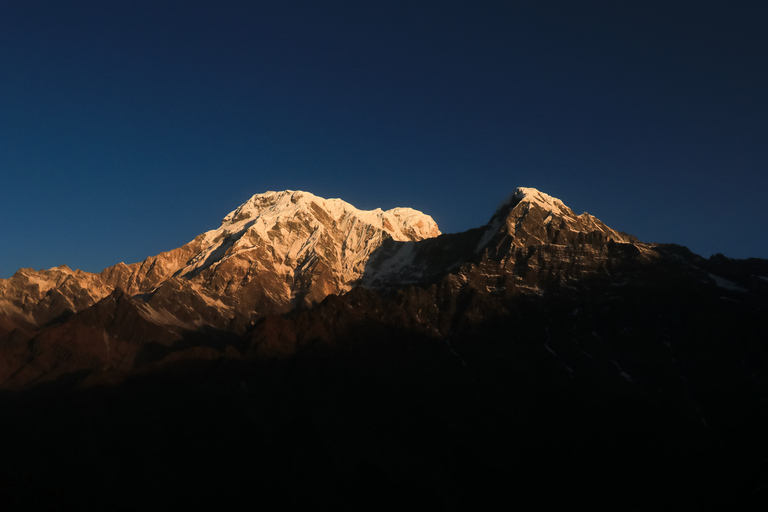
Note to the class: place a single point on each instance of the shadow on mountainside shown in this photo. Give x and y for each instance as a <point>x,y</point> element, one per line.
<point>216,254</point>
<point>210,343</point>
<point>395,264</point>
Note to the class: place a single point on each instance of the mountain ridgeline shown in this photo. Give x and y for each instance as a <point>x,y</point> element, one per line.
<point>320,355</point>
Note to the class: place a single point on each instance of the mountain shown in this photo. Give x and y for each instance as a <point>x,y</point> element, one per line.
<point>274,252</point>
<point>319,355</point>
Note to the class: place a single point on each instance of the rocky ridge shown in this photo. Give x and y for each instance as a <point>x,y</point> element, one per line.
<point>280,251</point>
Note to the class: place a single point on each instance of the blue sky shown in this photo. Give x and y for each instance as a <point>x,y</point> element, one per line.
<point>129,127</point>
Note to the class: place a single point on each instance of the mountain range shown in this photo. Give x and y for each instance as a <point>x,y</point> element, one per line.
<point>315,354</point>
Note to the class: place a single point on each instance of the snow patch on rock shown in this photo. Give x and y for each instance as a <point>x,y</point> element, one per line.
<point>726,284</point>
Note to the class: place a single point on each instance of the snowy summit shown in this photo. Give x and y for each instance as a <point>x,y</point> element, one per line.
<point>532,195</point>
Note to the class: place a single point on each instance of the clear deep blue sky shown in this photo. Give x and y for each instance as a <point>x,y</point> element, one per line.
<point>129,127</point>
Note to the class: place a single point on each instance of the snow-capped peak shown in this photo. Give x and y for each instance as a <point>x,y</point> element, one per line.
<point>517,206</point>
<point>532,195</point>
<point>291,229</point>
<point>272,207</point>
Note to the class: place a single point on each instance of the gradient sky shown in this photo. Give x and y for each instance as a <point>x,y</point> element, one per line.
<point>129,127</point>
